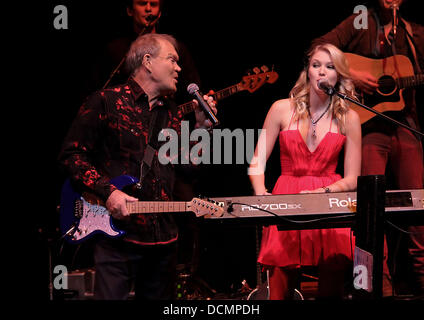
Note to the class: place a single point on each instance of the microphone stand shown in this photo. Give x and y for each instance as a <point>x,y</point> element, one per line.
<point>118,67</point>
<point>114,71</point>
<point>331,91</point>
<point>395,12</point>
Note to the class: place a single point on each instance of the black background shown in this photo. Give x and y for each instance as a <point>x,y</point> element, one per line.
<point>226,38</point>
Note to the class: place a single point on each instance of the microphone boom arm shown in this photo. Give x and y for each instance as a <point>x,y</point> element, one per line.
<point>346,97</point>
<point>118,67</point>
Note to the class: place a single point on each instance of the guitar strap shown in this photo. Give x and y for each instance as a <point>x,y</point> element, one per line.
<point>377,51</point>
<point>157,122</point>
<point>409,33</point>
<point>408,30</point>
<point>379,34</point>
<point>411,44</point>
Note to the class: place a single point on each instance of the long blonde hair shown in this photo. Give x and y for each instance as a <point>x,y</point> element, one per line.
<point>300,92</point>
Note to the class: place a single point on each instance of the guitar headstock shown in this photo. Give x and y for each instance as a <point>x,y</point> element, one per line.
<point>253,82</point>
<point>205,208</point>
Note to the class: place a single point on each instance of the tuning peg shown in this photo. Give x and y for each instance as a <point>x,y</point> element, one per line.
<point>256,70</point>
<point>264,68</point>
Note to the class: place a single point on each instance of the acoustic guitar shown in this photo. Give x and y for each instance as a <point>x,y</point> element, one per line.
<point>394,75</point>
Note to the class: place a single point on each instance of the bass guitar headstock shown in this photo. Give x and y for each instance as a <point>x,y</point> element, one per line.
<point>253,82</point>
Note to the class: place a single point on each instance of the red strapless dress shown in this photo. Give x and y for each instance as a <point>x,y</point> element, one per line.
<point>302,169</point>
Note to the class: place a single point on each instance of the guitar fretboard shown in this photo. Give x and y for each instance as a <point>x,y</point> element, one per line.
<point>157,206</point>
<point>411,81</point>
<point>224,93</point>
<point>221,94</point>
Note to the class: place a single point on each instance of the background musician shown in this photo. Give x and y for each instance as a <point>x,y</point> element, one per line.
<point>388,148</point>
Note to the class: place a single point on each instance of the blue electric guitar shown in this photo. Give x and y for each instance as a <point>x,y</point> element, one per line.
<point>83,215</point>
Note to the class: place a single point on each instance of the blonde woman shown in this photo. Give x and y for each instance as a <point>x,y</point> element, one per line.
<point>312,129</point>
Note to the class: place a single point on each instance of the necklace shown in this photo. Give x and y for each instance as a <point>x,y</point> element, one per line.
<point>314,122</point>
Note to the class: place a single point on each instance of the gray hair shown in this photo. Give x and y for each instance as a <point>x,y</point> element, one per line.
<point>146,44</point>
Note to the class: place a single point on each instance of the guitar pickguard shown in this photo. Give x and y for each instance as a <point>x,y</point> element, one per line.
<point>94,218</point>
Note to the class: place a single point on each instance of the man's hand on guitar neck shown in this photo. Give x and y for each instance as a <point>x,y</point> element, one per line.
<point>364,81</point>
<point>116,204</point>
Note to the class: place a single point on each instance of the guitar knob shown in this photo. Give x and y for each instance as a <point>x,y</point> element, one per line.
<point>256,70</point>
<point>265,69</point>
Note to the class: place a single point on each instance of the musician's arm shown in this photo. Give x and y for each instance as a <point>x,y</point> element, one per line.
<point>79,146</point>
<point>352,156</point>
<point>340,36</point>
<point>77,152</point>
<point>269,134</point>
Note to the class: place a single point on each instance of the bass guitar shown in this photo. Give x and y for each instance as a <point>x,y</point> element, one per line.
<point>83,215</point>
<point>250,83</point>
<point>394,75</point>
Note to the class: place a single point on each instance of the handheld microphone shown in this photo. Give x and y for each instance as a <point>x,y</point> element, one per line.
<point>326,87</point>
<point>193,89</point>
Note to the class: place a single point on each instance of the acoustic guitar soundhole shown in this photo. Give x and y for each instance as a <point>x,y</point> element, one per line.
<point>386,85</point>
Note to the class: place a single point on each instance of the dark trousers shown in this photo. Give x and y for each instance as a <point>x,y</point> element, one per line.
<point>404,152</point>
<point>120,265</point>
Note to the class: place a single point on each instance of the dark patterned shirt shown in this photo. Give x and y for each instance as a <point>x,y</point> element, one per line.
<point>108,139</point>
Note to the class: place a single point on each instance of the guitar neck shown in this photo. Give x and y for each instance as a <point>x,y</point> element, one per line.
<point>157,206</point>
<point>411,81</point>
<point>219,95</point>
<point>224,93</point>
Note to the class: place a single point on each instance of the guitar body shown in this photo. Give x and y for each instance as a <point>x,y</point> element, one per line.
<point>92,217</point>
<point>388,71</point>
<point>84,215</point>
